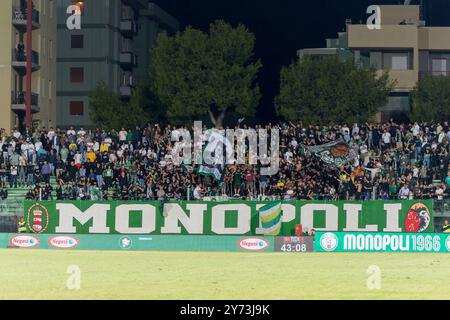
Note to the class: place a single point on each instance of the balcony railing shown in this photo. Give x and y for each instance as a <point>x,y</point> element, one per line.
<point>128,60</point>
<point>423,74</point>
<point>126,45</point>
<point>21,56</point>
<point>128,28</point>
<point>20,97</point>
<point>19,18</point>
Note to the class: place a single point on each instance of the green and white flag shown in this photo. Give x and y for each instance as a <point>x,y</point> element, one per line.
<point>216,152</point>
<point>337,153</point>
<point>271,216</point>
<point>215,171</point>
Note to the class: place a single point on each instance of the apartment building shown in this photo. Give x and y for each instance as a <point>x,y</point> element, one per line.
<point>114,45</point>
<point>13,65</point>
<point>405,47</point>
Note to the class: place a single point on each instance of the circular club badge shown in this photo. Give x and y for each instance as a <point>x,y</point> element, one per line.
<point>418,218</point>
<point>125,243</point>
<point>328,241</point>
<point>447,243</point>
<point>38,218</point>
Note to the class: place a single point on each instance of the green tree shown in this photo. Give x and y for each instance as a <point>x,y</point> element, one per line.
<point>327,90</point>
<point>214,74</point>
<point>431,99</point>
<point>107,110</point>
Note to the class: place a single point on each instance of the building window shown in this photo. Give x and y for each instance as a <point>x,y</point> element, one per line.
<point>76,108</point>
<point>51,9</point>
<point>399,63</point>
<point>439,67</point>
<point>77,41</point>
<point>50,49</point>
<point>43,87</point>
<point>76,74</point>
<point>50,89</point>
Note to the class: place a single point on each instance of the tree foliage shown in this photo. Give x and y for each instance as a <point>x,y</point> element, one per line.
<point>431,99</point>
<point>327,90</point>
<point>198,74</point>
<point>107,110</point>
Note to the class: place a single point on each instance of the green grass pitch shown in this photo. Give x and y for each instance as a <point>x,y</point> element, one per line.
<point>35,274</point>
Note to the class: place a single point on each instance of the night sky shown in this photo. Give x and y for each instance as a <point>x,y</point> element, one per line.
<point>282,27</point>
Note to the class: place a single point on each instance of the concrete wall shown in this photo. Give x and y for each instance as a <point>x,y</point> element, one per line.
<point>44,80</point>
<point>6,71</point>
<point>99,57</point>
<point>394,14</point>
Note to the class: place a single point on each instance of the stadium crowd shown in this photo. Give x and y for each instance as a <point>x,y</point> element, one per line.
<point>395,161</point>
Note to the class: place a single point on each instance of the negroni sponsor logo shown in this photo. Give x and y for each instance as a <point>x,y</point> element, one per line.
<point>24,241</point>
<point>253,244</point>
<point>63,242</point>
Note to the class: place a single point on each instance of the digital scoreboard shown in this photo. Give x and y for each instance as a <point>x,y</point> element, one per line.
<point>294,244</point>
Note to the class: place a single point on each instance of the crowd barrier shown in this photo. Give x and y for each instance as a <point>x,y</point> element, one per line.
<point>224,218</point>
<point>325,242</point>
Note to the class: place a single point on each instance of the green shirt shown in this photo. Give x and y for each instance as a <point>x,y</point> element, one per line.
<point>447,181</point>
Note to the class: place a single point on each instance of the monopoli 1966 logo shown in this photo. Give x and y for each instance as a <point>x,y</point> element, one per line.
<point>37,218</point>
<point>447,243</point>
<point>328,241</point>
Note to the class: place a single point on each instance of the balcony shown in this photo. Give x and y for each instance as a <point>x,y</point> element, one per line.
<point>424,74</point>
<point>19,61</point>
<point>390,36</point>
<point>127,86</point>
<point>128,60</point>
<point>19,19</point>
<point>128,28</point>
<point>125,91</point>
<point>18,101</point>
<point>405,80</point>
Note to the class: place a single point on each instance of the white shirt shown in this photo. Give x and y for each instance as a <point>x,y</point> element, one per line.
<point>38,145</point>
<point>404,193</point>
<point>416,130</point>
<point>122,135</point>
<point>288,156</point>
<point>197,193</point>
<point>78,158</point>
<point>51,134</point>
<point>439,193</point>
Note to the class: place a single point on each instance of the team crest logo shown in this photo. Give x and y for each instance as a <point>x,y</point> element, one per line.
<point>37,218</point>
<point>418,218</point>
<point>447,243</point>
<point>125,243</point>
<point>328,241</point>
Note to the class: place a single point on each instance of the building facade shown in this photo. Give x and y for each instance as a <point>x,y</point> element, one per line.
<point>13,32</point>
<point>404,47</point>
<point>114,45</point>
